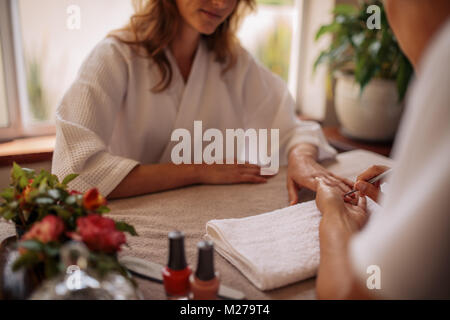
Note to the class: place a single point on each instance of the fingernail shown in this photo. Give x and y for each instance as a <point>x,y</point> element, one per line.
<point>361,186</point>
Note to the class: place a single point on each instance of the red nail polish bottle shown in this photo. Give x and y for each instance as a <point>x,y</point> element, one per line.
<point>176,273</point>
<point>205,282</point>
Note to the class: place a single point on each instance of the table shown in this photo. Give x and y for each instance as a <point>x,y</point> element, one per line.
<point>343,143</point>
<point>188,209</point>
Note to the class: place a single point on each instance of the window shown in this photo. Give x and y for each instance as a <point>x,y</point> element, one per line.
<point>57,35</point>
<point>47,40</point>
<point>268,35</point>
<point>4,118</point>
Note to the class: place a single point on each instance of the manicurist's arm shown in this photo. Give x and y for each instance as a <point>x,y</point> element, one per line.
<point>340,222</point>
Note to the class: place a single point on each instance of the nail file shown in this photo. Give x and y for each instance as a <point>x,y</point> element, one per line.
<point>152,271</point>
<point>373,180</point>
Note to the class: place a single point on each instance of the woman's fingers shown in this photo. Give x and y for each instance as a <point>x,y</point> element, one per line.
<point>367,189</point>
<point>346,181</point>
<point>249,166</point>
<point>362,202</point>
<point>337,183</point>
<point>292,191</point>
<point>252,178</point>
<point>373,171</point>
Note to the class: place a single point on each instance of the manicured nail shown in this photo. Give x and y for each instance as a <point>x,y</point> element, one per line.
<point>361,186</point>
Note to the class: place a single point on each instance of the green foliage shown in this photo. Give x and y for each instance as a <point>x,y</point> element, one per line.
<point>365,53</point>
<point>274,53</point>
<point>125,227</point>
<point>36,92</point>
<point>31,197</point>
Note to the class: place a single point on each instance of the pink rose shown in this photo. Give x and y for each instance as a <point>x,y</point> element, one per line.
<point>47,230</point>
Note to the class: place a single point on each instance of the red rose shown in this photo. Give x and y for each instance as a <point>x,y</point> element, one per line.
<point>47,230</point>
<point>74,192</point>
<point>93,200</point>
<point>99,233</point>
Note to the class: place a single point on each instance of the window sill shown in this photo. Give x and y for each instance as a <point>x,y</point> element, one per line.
<point>29,150</point>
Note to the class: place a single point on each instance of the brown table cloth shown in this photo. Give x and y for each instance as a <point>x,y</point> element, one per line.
<point>188,209</point>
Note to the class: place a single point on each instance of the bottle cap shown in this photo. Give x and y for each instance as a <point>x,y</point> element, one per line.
<point>177,258</point>
<point>205,266</point>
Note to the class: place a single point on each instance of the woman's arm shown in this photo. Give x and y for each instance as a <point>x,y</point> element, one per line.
<point>144,179</point>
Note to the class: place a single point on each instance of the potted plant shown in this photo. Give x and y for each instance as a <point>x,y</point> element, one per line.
<point>372,73</point>
<point>48,216</point>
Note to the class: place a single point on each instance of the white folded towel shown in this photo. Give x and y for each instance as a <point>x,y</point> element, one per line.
<point>272,249</point>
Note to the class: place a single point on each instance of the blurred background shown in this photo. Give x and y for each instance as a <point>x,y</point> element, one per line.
<point>53,53</point>
<point>41,50</point>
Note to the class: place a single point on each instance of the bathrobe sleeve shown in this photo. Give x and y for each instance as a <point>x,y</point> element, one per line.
<point>269,104</point>
<point>85,120</point>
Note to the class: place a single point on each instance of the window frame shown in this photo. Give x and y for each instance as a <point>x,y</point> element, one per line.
<point>19,124</point>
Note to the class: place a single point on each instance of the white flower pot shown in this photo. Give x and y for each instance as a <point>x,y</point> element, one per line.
<point>373,115</point>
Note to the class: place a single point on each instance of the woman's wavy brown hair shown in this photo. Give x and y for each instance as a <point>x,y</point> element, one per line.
<point>155,24</point>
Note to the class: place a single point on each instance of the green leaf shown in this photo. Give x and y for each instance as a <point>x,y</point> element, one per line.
<point>29,173</point>
<point>27,259</point>
<point>17,172</point>
<point>103,209</point>
<point>8,214</point>
<point>329,28</point>
<point>54,193</point>
<point>53,181</point>
<point>8,194</point>
<point>345,9</point>
<point>23,182</point>
<point>69,178</point>
<point>125,227</point>
<point>43,185</point>
<point>51,250</point>
<point>32,245</point>
<point>44,200</point>
<point>70,200</point>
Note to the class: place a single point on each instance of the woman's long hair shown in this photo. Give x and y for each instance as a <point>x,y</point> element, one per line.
<point>155,24</point>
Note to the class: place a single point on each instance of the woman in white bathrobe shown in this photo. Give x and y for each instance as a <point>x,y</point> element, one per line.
<point>176,63</point>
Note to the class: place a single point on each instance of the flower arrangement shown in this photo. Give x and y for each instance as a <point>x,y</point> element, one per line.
<point>47,215</point>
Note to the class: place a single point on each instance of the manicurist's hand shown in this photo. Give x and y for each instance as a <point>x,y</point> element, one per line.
<point>330,202</point>
<point>368,189</point>
<point>230,174</point>
<point>303,170</point>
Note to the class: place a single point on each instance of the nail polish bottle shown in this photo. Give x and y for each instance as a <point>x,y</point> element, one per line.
<point>176,273</point>
<point>205,282</point>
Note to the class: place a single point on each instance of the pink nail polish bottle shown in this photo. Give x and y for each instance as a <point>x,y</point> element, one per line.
<point>205,282</point>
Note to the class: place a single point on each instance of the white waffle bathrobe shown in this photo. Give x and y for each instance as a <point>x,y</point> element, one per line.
<point>110,121</point>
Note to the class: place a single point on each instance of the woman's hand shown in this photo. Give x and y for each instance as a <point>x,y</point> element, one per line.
<point>368,189</point>
<point>330,200</point>
<point>303,170</point>
<point>230,174</point>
